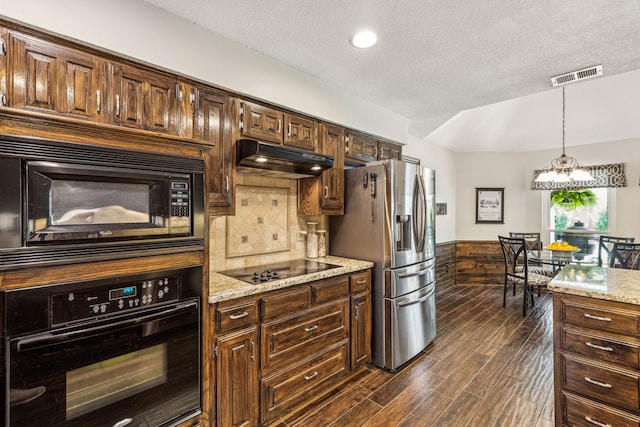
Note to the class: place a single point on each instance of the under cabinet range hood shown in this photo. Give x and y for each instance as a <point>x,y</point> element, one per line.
<point>265,159</point>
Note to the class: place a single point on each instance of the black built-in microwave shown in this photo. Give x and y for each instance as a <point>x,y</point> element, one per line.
<point>68,202</point>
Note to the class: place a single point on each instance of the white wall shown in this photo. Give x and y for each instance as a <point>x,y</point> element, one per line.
<point>142,31</point>
<point>523,206</point>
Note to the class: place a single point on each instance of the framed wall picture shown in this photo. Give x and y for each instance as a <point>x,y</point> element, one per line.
<point>489,205</point>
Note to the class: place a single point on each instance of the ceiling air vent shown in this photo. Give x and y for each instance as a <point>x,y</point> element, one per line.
<point>574,76</point>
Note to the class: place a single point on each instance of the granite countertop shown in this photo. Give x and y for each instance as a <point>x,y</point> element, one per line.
<point>223,288</point>
<point>612,284</point>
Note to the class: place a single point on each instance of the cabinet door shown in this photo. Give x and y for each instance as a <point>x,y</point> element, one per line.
<point>237,375</point>
<point>4,37</point>
<point>360,329</point>
<point>260,122</point>
<point>332,143</point>
<point>300,132</point>
<point>389,151</point>
<point>361,147</point>
<point>144,100</point>
<point>212,126</point>
<point>47,78</point>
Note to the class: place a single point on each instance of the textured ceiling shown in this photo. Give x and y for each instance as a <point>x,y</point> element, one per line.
<point>434,58</point>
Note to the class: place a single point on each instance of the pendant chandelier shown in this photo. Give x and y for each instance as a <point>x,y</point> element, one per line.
<point>564,168</point>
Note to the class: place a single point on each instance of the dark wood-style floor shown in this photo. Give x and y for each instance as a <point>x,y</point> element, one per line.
<point>488,366</point>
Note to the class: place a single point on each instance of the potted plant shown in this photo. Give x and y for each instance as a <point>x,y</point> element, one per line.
<point>572,199</point>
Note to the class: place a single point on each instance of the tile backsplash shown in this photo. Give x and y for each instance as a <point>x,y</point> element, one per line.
<point>266,228</point>
<point>261,222</point>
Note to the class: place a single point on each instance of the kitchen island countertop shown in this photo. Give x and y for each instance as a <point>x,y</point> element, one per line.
<point>223,288</point>
<point>611,284</point>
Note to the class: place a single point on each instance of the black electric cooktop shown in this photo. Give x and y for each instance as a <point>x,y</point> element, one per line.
<point>276,271</point>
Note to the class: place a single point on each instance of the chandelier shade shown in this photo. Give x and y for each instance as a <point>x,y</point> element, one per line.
<point>564,169</point>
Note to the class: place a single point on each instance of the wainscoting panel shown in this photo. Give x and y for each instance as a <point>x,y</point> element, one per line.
<point>479,262</point>
<point>445,266</point>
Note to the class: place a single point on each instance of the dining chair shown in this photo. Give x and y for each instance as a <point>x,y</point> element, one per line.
<point>625,255</point>
<point>534,243</point>
<point>606,243</point>
<point>516,270</point>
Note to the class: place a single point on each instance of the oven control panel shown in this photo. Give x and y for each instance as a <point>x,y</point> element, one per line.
<point>90,303</point>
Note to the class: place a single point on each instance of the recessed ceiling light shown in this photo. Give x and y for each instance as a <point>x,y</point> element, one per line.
<point>364,39</point>
<point>261,159</point>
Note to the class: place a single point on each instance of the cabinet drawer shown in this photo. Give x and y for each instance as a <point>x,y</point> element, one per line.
<point>600,381</point>
<point>291,339</point>
<point>609,317</point>
<point>329,289</point>
<point>602,346</point>
<point>236,316</point>
<point>288,388</point>
<point>579,411</point>
<point>285,302</point>
<point>361,281</point>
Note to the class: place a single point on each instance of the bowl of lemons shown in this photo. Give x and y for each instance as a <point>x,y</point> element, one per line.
<point>562,248</point>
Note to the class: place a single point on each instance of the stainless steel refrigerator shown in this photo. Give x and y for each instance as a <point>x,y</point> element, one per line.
<point>390,219</point>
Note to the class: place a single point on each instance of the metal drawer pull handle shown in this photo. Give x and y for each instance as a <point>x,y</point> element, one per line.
<point>598,383</point>
<point>591,316</point>
<point>308,377</point>
<point>598,347</point>
<point>592,421</point>
<point>311,328</point>
<point>361,282</point>
<point>238,316</point>
<point>417,273</point>
<point>415,301</point>
<point>124,422</point>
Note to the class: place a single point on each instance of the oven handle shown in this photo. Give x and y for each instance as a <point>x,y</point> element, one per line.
<point>48,338</point>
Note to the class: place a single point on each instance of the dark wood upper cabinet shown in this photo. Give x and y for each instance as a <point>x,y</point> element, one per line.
<point>260,122</point>
<point>387,150</point>
<point>361,148</point>
<point>144,100</point>
<point>300,132</point>
<point>332,143</point>
<point>272,125</point>
<point>324,195</point>
<point>212,125</point>
<point>46,78</point>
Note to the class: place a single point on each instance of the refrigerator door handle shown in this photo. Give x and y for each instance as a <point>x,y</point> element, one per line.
<point>417,300</point>
<point>419,213</point>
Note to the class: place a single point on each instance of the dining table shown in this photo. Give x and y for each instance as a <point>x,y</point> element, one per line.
<point>558,259</point>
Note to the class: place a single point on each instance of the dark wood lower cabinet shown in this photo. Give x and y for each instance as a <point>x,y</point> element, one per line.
<point>279,351</point>
<point>237,376</point>
<point>596,362</point>
<point>289,387</point>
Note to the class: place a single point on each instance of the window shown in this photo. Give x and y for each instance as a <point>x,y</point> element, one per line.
<point>571,217</point>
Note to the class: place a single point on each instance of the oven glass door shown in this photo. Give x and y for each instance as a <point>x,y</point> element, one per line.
<point>138,371</point>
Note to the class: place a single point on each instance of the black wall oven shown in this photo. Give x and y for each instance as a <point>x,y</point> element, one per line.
<point>111,352</point>
<point>64,202</point>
